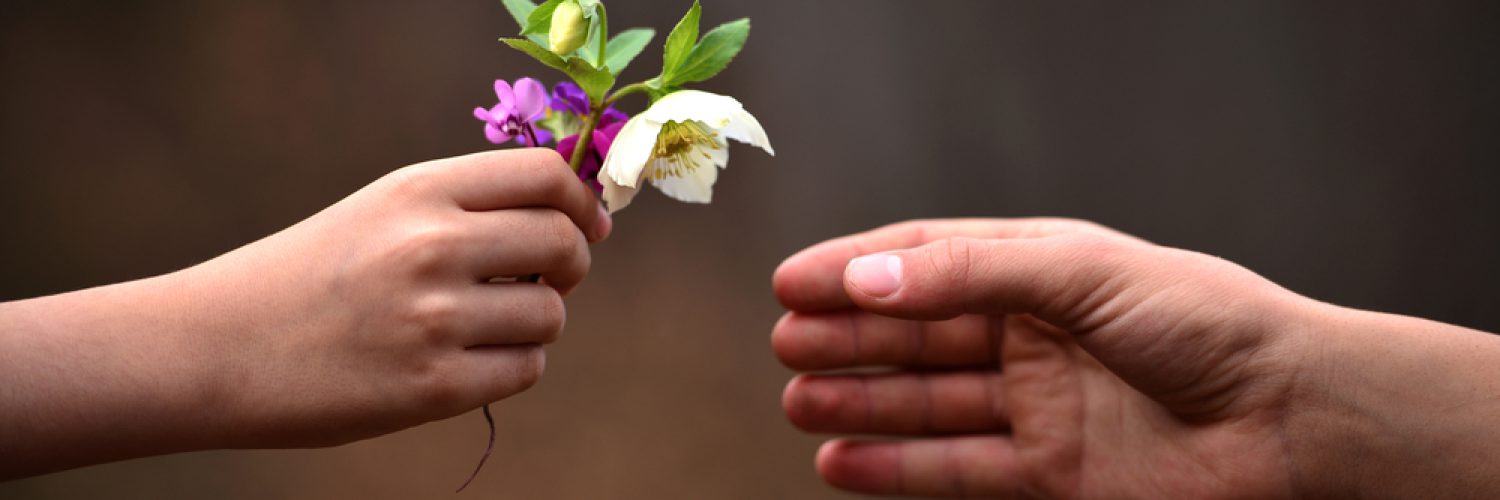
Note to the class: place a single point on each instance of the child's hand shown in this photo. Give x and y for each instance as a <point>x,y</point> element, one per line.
<point>374,315</point>
<point>379,313</point>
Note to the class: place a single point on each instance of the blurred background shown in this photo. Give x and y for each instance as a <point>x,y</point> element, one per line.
<point>1348,152</point>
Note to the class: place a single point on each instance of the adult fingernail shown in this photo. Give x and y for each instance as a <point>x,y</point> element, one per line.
<point>876,275</point>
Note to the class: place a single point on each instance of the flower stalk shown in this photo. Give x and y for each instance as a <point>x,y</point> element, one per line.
<point>586,135</point>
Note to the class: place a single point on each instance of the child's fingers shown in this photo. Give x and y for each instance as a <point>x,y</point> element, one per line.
<point>486,374</point>
<point>500,180</point>
<point>508,314</point>
<point>524,242</point>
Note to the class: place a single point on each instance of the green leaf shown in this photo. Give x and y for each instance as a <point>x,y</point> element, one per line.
<point>540,20</point>
<point>625,46</point>
<point>713,54</point>
<point>521,10</point>
<point>594,81</point>
<point>538,52</point>
<point>680,41</point>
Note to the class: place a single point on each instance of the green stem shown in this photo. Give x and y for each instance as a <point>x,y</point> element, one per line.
<point>585,138</point>
<point>633,88</point>
<point>603,37</point>
<point>586,135</point>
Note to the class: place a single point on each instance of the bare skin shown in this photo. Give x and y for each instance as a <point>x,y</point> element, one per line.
<point>374,315</point>
<point>1048,358</point>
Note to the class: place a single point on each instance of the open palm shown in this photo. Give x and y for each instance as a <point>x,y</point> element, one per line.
<point>1144,382</point>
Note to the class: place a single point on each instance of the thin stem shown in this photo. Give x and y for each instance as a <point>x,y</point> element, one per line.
<point>531,136</point>
<point>488,448</point>
<point>625,91</point>
<point>603,37</point>
<point>585,138</point>
<point>531,141</point>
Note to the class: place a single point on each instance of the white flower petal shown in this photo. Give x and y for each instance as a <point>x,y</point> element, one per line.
<point>714,110</point>
<point>720,155</point>
<point>616,197</point>
<point>694,187</point>
<point>745,128</point>
<point>630,151</point>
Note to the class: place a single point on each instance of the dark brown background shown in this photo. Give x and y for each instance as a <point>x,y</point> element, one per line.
<point>1348,152</point>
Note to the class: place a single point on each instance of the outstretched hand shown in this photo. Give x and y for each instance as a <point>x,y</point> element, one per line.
<point>1039,357</point>
<point>381,312</point>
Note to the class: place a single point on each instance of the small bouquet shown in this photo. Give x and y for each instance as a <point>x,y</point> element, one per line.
<point>679,142</point>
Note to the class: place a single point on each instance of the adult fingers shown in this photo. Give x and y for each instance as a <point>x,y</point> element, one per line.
<point>499,180</point>
<point>812,280</point>
<point>852,338</point>
<point>898,403</point>
<point>980,466</point>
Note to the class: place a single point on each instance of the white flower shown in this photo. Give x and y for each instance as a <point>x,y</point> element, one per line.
<point>679,144</point>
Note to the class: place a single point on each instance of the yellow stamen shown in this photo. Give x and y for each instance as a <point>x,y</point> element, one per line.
<point>676,144</point>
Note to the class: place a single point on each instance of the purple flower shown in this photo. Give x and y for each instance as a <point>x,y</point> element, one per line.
<point>516,113</point>
<point>604,137</point>
<point>612,116</point>
<point>569,98</point>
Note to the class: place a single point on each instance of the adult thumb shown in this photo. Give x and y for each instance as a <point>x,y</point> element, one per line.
<point>1061,280</point>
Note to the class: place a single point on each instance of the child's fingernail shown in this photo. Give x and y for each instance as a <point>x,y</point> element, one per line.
<point>604,225</point>
<point>878,276</point>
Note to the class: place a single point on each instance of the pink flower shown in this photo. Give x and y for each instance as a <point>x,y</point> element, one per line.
<point>516,114</point>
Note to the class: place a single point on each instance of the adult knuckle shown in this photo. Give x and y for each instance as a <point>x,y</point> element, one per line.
<point>953,259</point>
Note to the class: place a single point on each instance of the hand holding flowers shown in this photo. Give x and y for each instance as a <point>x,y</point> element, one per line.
<point>678,143</point>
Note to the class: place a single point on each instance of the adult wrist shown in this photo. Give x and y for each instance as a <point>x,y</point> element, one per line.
<point>1393,406</point>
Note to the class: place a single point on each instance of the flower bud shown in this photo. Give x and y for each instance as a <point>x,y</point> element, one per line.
<point>569,29</point>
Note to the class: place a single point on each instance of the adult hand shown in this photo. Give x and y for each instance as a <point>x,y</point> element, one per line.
<point>1058,358</point>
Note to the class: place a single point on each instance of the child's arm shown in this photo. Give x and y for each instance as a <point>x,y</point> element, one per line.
<point>374,315</point>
